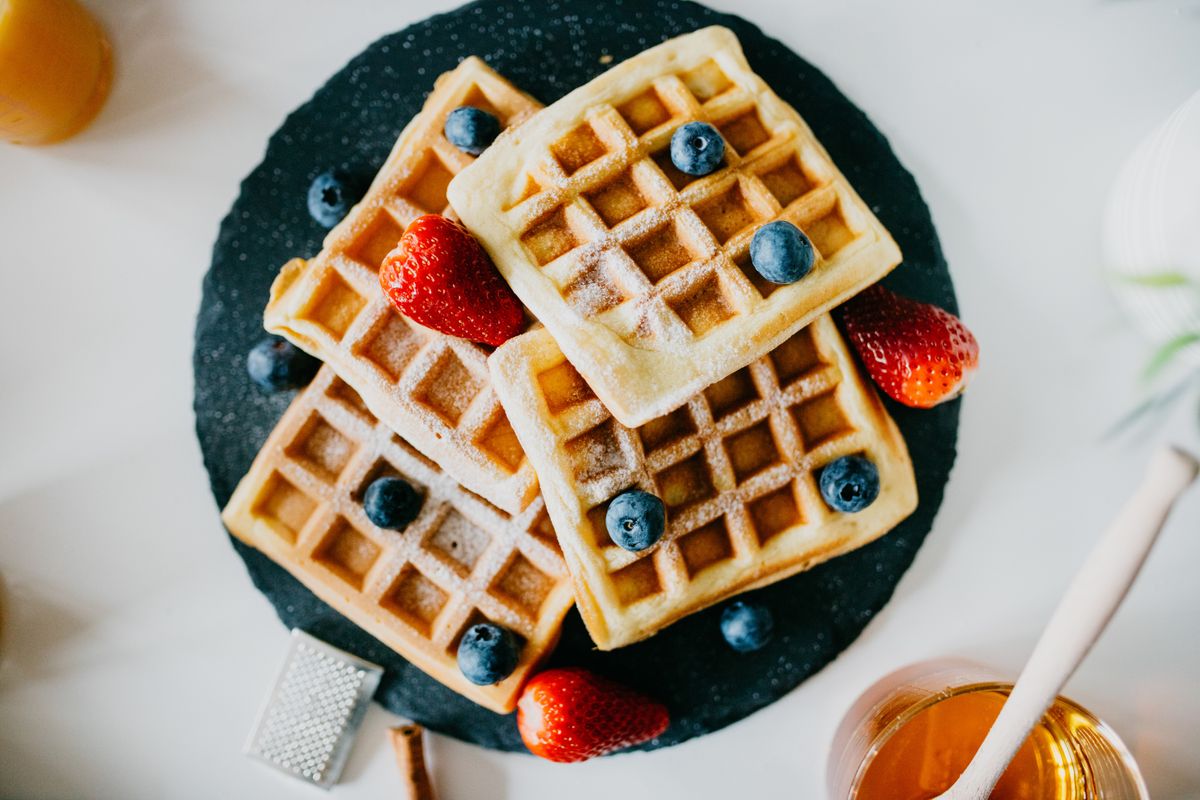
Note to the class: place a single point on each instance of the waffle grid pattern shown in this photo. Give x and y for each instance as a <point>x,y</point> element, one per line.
<point>654,253</point>
<point>621,254</point>
<point>432,388</point>
<point>736,467</point>
<point>462,560</point>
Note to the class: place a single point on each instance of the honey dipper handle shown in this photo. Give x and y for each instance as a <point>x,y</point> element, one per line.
<point>409,744</point>
<point>1083,613</point>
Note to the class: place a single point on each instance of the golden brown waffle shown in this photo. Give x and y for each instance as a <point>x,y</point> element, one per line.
<point>431,388</point>
<point>642,273</point>
<point>736,466</point>
<point>461,561</point>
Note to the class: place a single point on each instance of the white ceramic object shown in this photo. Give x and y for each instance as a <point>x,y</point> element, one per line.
<point>1152,226</point>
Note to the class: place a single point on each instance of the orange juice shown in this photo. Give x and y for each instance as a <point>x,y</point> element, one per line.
<point>55,69</point>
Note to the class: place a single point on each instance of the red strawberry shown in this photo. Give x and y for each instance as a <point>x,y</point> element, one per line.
<point>442,278</point>
<point>919,354</point>
<point>571,715</point>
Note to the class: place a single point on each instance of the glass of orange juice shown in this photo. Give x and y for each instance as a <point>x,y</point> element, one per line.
<point>55,69</point>
<point>913,732</point>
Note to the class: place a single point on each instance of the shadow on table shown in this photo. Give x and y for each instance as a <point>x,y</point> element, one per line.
<point>65,772</point>
<point>86,549</point>
<point>35,626</point>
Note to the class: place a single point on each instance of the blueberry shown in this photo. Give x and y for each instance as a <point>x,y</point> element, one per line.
<point>330,196</point>
<point>697,148</point>
<point>850,484</point>
<point>276,364</point>
<point>781,252</point>
<point>746,625</point>
<point>635,519</point>
<point>391,503</point>
<point>488,653</point>
<point>471,129</point>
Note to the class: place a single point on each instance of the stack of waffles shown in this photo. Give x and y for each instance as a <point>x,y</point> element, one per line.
<point>395,398</point>
<point>665,363</point>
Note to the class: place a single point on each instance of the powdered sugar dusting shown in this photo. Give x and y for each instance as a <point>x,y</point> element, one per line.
<point>308,482</point>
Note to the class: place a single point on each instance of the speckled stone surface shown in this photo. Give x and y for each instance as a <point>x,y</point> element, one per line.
<point>548,49</point>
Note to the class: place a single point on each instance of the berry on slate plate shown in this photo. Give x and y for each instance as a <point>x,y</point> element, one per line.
<point>276,364</point>
<point>697,148</point>
<point>635,519</point>
<point>442,278</point>
<point>570,714</point>
<point>849,484</point>
<point>917,353</point>
<point>746,625</point>
<point>391,503</point>
<point>330,196</point>
<point>488,653</point>
<point>471,129</point>
<point>781,253</point>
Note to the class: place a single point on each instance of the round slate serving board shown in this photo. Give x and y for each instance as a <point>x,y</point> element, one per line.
<point>547,49</point>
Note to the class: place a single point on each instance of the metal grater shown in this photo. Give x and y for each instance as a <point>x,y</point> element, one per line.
<point>310,719</point>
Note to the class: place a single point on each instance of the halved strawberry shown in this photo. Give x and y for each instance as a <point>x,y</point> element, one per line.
<point>917,353</point>
<point>441,277</point>
<point>570,714</point>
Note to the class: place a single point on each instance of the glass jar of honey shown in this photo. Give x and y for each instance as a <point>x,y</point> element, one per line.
<point>913,733</point>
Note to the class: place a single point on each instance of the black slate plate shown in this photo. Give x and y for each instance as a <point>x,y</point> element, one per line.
<point>548,49</point>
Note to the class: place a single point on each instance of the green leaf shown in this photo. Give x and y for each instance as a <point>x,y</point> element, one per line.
<point>1157,280</point>
<point>1152,409</point>
<point>1163,356</point>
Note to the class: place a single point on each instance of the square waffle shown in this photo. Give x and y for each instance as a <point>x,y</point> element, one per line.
<point>736,467</point>
<point>461,561</point>
<point>431,388</point>
<point>642,273</point>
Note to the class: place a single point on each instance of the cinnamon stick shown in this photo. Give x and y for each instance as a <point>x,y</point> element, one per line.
<point>409,744</point>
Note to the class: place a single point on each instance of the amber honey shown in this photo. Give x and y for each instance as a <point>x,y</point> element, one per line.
<point>912,734</point>
<point>55,69</point>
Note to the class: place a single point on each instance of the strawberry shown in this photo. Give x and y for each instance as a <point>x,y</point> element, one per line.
<point>441,277</point>
<point>570,714</point>
<point>917,353</point>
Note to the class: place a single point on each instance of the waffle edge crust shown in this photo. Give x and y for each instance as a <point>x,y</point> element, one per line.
<point>461,561</point>
<point>431,388</point>
<point>737,467</point>
<point>642,273</point>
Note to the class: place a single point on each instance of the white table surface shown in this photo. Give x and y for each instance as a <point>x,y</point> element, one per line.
<point>137,652</point>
